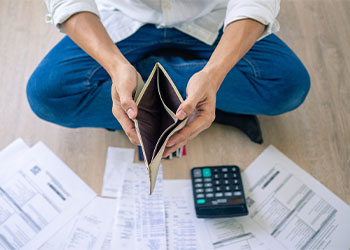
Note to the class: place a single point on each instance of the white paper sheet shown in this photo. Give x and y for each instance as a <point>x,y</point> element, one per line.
<point>140,218</point>
<point>87,230</point>
<point>12,152</point>
<point>186,231</point>
<point>38,195</point>
<point>116,165</point>
<point>293,207</point>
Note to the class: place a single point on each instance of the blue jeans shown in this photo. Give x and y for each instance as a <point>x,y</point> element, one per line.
<point>71,89</point>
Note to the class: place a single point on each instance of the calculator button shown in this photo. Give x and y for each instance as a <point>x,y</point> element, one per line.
<point>207,179</point>
<point>208,185</point>
<point>216,176</point>
<point>237,193</point>
<point>206,172</point>
<point>198,185</point>
<point>224,170</point>
<point>234,169</point>
<point>199,190</point>
<point>216,170</point>
<point>200,201</point>
<point>208,190</point>
<point>235,181</point>
<point>228,194</point>
<point>234,175</point>
<point>217,182</point>
<point>197,173</point>
<point>218,189</point>
<point>225,175</point>
<point>226,182</point>
<point>209,195</point>
<point>236,187</point>
<point>198,180</point>
<point>227,188</point>
<point>221,200</point>
<point>218,194</point>
<point>200,196</point>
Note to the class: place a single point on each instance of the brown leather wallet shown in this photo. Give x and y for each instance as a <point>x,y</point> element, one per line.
<point>157,102</point>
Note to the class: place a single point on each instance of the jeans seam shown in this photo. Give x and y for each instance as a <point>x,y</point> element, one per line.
<point>255,69</point>
<point>91,73</point>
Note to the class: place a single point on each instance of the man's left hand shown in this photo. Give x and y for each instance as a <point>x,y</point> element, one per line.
<point>199,106</point>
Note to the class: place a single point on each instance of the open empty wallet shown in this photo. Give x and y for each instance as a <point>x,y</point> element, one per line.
<point>157,101</point>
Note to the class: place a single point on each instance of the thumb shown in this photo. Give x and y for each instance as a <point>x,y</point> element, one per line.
<point>186,108</point>
<point>127,103</point>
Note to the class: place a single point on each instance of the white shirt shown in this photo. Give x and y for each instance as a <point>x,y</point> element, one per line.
<point>201,19</point>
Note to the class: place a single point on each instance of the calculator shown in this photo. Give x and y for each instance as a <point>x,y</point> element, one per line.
<point>218,192</point>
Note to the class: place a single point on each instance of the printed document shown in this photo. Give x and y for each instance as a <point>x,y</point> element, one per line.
<point>186,231</point>
<point>116,165</point>
<point>139,221</point>
<point>293,207</point>
<point>38,195</point>
<point>87,230</point>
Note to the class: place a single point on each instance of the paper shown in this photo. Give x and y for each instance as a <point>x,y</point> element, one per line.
<point>294,208</point>
<point>13,150</point>
<point>116,165</point>
<point>87,230</point>
<point>139,221</point>
<point>38,195</point>
<point>186,231</point>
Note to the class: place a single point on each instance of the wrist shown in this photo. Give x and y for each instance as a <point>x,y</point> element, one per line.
<point>116,64</point>
<point>216,74</point>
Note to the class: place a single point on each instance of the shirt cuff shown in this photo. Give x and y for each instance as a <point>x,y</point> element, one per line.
<point>60,11</point>
<point>263,11</point>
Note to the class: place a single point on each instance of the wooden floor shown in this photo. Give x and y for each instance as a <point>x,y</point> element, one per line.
<point>316,136</point>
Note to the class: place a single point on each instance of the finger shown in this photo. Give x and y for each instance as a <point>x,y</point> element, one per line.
<point>172,149</point>
<point>199,124</point>
<point>187,107</point>
<point>127,102</point>
<point>127,125</point>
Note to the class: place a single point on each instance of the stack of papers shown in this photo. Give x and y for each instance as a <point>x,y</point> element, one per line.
<point>288,209</point>
<point>46,206</point>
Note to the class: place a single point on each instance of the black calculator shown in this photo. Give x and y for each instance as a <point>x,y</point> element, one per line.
<point>218,192</point>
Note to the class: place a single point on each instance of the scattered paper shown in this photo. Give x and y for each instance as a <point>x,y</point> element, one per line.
<point>38,195</point>
<point>139,221</point>
<point>294,208</point>
<point>116,165</point>
<point>186,231</point>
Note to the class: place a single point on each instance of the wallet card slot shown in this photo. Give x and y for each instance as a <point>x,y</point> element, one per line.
<point>167,93</point>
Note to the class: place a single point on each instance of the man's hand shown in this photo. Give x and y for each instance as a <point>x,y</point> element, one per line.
<point>124,108</point>
<point>199,106</point>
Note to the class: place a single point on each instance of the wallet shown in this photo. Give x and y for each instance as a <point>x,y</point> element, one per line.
<point>157,101</point>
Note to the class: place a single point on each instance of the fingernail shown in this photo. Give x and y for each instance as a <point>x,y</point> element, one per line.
<point>130,113</point>
<point>181,115</point>
<point>170,144</point>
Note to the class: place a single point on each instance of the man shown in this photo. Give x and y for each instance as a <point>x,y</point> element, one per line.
<point>230,63</point>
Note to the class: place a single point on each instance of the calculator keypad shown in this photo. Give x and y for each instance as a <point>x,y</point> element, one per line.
<point>217,185</point>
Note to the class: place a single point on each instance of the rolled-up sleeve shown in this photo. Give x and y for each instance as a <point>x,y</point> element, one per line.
<point>61,10</point>
<point>263,11</point>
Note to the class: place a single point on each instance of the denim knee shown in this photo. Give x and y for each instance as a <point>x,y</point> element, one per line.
<point>43,90</point>
<point>290,88</point>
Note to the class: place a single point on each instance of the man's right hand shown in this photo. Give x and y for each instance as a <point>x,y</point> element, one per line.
<point>124,85</point>
<point>86,30</point>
